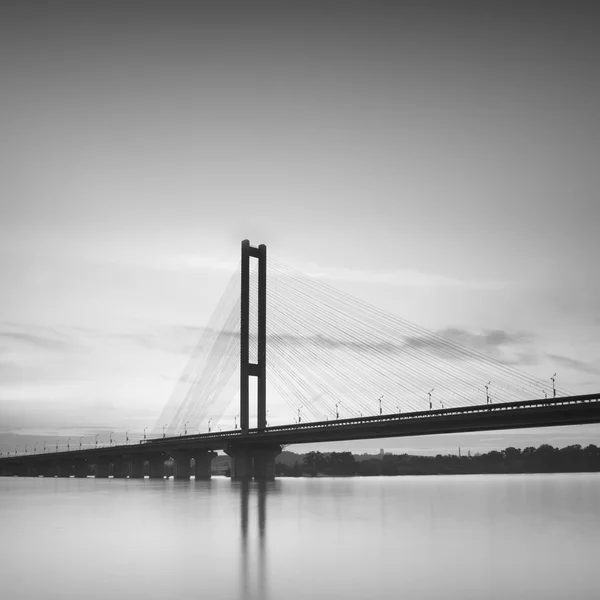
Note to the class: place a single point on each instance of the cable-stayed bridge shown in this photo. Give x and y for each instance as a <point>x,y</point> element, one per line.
<point>346,369</point>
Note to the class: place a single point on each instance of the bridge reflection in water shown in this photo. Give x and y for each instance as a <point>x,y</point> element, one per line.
<point>253,573</point>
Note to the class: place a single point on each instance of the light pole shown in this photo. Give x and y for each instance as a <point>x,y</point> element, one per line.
<point>553,386</point>
<point>299,416</point>
<point>185,428</point>
<point>145,432</point>
<point>429,394</point>
<point>380,408</point>
<point>235,421</point>
<point>127,438</point>
<point>97,440</point>
<point>44,446</point>
<point>164,430</point>
<point>337,411</point>
<point>487,392</point>
<point>57,445</point>
<point>110,442</point>
<point>68,444</point>
<point>209,425</point>
<point>398,409</point>
<point>81,438</point>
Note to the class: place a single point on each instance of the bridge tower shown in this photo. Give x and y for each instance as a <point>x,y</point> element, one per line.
<point>258,369</point>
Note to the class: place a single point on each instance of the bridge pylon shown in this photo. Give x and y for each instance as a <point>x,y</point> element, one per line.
<point>258,369</point>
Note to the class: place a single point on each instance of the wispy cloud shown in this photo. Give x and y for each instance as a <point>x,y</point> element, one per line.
<point>37,336</point>
<point>575,365</point>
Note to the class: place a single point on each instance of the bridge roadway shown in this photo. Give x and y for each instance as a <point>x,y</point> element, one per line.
<point>253,452</point>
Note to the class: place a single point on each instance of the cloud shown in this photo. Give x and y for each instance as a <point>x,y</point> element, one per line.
<point>574,364</point>
<point>40,337</point>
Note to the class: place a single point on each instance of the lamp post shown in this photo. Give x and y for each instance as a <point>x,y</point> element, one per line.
<point>553,385</point>
<point>299,415</point>
<point>57,445</point>
<point>68,444</point>
<point>44,446</point>
<point>209,425</point>
<point>110,440</point>
<point>487,392</point>
<point>97,440</point>
<point>398,409</point>
<point>127,438</point>
<point>164,430</point>
<point>145,432</point>
<point>235,421</point>
<point>185,428</point>
<point>380,407</point>
<point>429,394</point>
<point>337,410</point>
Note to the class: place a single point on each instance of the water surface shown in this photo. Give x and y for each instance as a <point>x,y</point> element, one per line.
<point>446,537</point>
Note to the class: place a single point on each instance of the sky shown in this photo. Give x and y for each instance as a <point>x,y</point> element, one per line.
<point>437,159</point>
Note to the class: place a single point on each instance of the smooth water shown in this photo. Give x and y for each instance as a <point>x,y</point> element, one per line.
<point>447,537</point>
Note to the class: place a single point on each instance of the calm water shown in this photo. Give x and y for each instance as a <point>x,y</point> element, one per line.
<point>463,537</point>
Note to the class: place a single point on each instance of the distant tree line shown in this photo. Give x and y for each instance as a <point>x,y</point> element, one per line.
<point>545,459</point>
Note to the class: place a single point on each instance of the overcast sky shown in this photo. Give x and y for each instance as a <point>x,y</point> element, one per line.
<point>439,160</point>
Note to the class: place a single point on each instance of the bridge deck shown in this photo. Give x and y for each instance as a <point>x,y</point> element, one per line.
<point>569,410</point>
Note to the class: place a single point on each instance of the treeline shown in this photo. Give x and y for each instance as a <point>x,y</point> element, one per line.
<point>545,459</point>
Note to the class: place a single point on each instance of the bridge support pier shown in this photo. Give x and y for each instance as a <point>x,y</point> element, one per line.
<point>157,466</point>
<point>102,469</point>
<point>203,460</point>
<point>81,468</point>
<point>253,461</point>
<point>136,467</point>
<point>65,469</point>
<point>183,470</point>
<point>120,468</point>
<point>264,462</point>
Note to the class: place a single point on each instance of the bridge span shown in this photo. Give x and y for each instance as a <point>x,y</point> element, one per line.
<point>253,451</point>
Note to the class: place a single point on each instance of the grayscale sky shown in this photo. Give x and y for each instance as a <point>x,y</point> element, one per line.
<point>438,159</point>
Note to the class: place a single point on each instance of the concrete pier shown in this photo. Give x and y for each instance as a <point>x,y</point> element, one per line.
<point>136,467</point>
<point>157,466</point>
<point>102,468</point>
<point>256,462</point>
<point>203,459</point>
<point>183,469</point>
<point>81,468</point>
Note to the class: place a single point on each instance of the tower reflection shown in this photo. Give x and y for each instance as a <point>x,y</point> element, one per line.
<point>253,576</point>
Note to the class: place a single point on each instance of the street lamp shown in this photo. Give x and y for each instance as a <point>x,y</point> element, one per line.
<point>429,394</point>
<point>44,446</point>
<point>299,416</point>
<point>235,421</point>
<point>398,409</point>
<point>487,392</point>
<point>97,439</point>
<point>145,432</point>
<point>127,438</point>
<point>209,425</point>
<point>110,441</point>
<point>68,444</point>
<point>80,442</point>
<point>164,430</point>
<point>337,411</point>
<point>380,408</point>
<point>553,386</point>
<point>57,445</point>
<point>185,428</point>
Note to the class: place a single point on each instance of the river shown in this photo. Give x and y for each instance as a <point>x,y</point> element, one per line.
<point>443,537</point>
